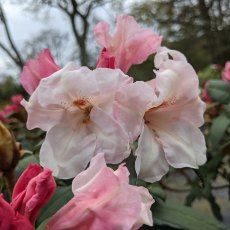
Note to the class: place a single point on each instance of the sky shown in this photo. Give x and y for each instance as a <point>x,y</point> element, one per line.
<point>23,26</point>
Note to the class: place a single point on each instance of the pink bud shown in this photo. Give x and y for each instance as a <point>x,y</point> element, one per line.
<point>226,72</point>
<point>32,191</point>
<point>35,70</point>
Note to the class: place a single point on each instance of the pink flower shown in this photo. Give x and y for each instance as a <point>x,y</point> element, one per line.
<point>129,45</point>
<point>32,191</point>
<point>11,219</point>
<point>9,109</point>
<point>168,111</point>
<point>226,72</point>
<point>103,199</point>
<point>205,96</point>
<point>78,118</point>
<point>35,70</point>
<point>16,99</point>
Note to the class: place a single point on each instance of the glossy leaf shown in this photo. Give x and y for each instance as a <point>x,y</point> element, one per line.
<point>60,198</point>
<point>219,91</point>
<point>182,217</point>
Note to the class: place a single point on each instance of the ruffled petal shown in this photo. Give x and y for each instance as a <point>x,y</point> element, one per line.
<point>81,180</point>
<point>38,116</point>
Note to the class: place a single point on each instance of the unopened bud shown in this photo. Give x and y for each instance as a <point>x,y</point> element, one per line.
<point>6,148</point>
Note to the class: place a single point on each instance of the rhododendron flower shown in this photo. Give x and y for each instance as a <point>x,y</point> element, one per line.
<point>78,116</point>
<point>129,44</point>
<point>32,191</point>
<point>8,109</point>
<point>35,70</point>
<point>16,99</point>
<point>173,113</point>
<point>11,219</point>
<point>226,72</point>
<point>103,199</point>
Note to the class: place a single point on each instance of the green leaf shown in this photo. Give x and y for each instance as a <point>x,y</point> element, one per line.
<point>60,198</point>
<point>219,91</point>
<point>24,162</point>
<point>182,217</point>
<point>43,224</point>
<point>157,191</point>
<point>218,129</point>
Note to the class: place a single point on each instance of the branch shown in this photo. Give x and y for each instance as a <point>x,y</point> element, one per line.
<point>14,59</point>
<point>19,61</point>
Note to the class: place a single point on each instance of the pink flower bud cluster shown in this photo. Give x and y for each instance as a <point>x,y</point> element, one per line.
<point>11,108</point>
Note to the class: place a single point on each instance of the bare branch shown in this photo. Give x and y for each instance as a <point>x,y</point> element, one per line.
<point>14,59</point>
<point>19,61</point>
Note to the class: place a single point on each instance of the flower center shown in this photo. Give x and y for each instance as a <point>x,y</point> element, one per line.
<point>164,105</point>
<point>85,106</point>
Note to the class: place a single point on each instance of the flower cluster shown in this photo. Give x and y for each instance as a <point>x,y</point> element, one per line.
<point>13,107</point>
<point>89,112</point>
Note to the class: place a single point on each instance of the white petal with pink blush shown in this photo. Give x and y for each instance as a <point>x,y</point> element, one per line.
<point>75,107</point>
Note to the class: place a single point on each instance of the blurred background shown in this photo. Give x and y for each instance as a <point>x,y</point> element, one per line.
<point>198,28</point>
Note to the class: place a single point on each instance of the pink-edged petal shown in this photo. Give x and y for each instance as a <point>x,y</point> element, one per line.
<point>183,143</point>
<point>111,139</point>
<point>131,102</point>
<point>146,203</point>
<point>164,54</point>
<point>82,179</point>
<point>67,149</point>
<point>122,173</point>
<point>150,164</point>
<point>101,33</point>
<point>104,204</point>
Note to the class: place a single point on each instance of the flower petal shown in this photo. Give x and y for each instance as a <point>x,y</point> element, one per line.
<point>183,143</point>
<point>67,149</point>
<point>164,54</point>
<point>35,70</point>
<point>131,102</point>
<point>101,33</point>
<point>82,179</point>
<point>111,139</point>
<point>150,164</point>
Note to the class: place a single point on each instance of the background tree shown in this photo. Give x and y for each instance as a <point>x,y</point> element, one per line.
<point>199,28</point>
<point>10,49</point>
